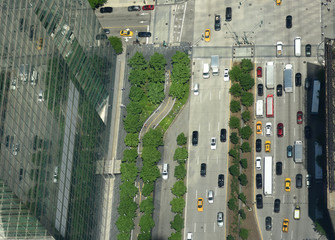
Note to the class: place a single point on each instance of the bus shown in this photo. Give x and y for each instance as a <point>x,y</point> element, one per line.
<point>269,106</point>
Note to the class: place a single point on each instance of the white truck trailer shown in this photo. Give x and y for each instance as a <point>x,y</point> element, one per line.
<point>259,108</point>
<point>215,65</point>
<point>298,151</point>
<point>268,176</point>
<point>288,86</point>
<point>269,75</point>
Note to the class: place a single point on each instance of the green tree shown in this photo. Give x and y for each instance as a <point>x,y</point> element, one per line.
<point>175,236</point>
<point>246,65</point>
<point>318,227</point>
<point>235,90</point>
<point>149,173</point>
<point>181,58</point>
<point>177,205</point>
<point>124,224</point>
<point>235,106</point>
<point>242,214</point>
<point>153,138</point>
<point>132,124</point>
<point>156,76</point>
<point>232,204</point>
<point>147,189</point>
<point>147,205</point>
<point>130,155</point>
<point>243,179</point>
<point>247,99</point>
<point>244,163</point>
<point>244,233</point>
<point>123,236</point>
<point>247,82</point>
<point>234,122</point>
<point>234,170</point>
<point>230,237</point>
<point>246,116</point>
<point>180,171</point>
<point>138,61</point>
<point>157,62</point>
<point>128,189</point>
<point>177,90</point>
<point>245,132</point>
<point>234,138</point>
<point>144,236</point>
<point>178,189</point>
<point>127,207</point>
<point>116,43</point>
<point>177,223</point>
<point>151,155</point>
<point>181,139</point>
<point>131,140</point>
<point>146,223</point>
<point>235,73</point>
<point>245,147</point>
<point>233,153</point>
<point>180,74</point>
<point>242,197</point>
<point>155,93</point>
<point>134,108</point>
<point>128,171</point>
<point>138,77</point>
<point>180,154</point>
<point>136,94</point>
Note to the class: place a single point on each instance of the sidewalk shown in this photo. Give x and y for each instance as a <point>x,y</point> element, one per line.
<point>127,3</point>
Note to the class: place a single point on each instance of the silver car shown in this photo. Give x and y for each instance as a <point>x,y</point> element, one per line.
<point>220,219</point>
<point>210,196</point>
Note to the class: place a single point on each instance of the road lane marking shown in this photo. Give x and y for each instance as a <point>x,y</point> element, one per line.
<point>195,227</point>
<point>210,95</point>
<point>196,194</point>
<point>218,126</point>
<point>204,227</point>
<point>293,131</point>
<point>209,126</point>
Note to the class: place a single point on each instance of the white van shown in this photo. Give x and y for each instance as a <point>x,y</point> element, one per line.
<point>296,214</point>
<point>165,172</point>
<point>297,46</point>
<point>205,73</point>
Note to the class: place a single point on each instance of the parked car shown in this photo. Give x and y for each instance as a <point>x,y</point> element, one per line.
<point>289,151</point>
<point>144,34</point>
<point>279,168</point>
<point>258,145</point>
<point>258,163</point>
<point>106,31</point>
<point>207,35</point>
<point>267,146</point>
<point>259,127</point>
<point>217,22</point>
<point>268,127</point>
<point>223,134</point>
<point>148,7</point>
<point>279,90</point>
<point>134,8</point>
<point>298,79</point>
<point>308,50</point>
<point>260,89</point>
<point>258,181</point>
<point>298,180</point>
<point>307,84</point>
<point>259,201</point>
<point>228,14</point>
<point>299,117</point>
<point>259,72</point>
<point>288,21</point>
<point>195,135</point>
<point>268,223</point>
<point>221,180</point>
<point>276,206</point>
<point>308,180</point>
<point>106,10</point>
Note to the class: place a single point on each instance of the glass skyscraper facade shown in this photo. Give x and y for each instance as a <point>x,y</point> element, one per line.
<point>55,81</point>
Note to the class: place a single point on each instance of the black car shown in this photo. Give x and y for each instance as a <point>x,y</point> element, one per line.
<point>106,31</point>
<point>203,169</point>
<point>106,10</point>
<point>195,138</point>
<point>308,50</point>
<point>144,34</point>
<point>298,181</point>
<point>223,134</point>
<point>268,223</point>
<point>279,90</point>
<point>258,145</point>
<point>259,201</point>
<point>298,79</point>
<point>134,8</point>
<point>259,181</point>
<point>7,141</point>
<point>221,180</point>
<point>279,168</point>
<point>101,37</point>
<point>260,90</point>
<point>308,132</point>
<point>228,14</point>
<point>217,23</point>
<point>276,206</point>
<point>289,21</point>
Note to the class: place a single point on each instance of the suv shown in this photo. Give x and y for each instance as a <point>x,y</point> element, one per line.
<point>144,34</point>
<point>268,223</point>
<point>298,181</point>
<point>259,201</point>
<point>195,138</point>
<point>276,206</point>
<point>221,180</point>
<point>298,79</point>
<point>223,133</point>
<point>279,167</point>
<point>217,24</point>
<point>279,90</point>
<point>134,8</point>
<point>260,89</point>
<point>258,145</point>
<point>106,10</point>
<point>228,14</point>
<point>268,127</point>
<point>308,50</point>
<point>203,170</point>
<point>258,181</point>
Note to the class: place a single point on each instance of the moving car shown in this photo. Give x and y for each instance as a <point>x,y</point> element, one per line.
<point>299,117</point>
<point>296,213</point>
<point>308,50</point>
<point>213,143</point>
<point>217,22</point>
<point>200,204</point>
<point>189,236</point>
<point>195,138</point>
<point>203,167</point>
<point>228,14</point>
<point>221,180</point>
<point>260,89</point>
<point>196,89</point>
<point>258,181</point>
<point>308,132</point>
<point>287,184</point>
<point>285,225</point>
<point>148,7</point>
<point>165,173</point>
<point>259,201</point>
<point>298,79</point>
<point>258,163</point>
<point>308,180</point>
<point>144,34</point>
<point>207,35</point>
<point>268,223</point>
<point>279,90</point>
<point>280,129</point>
<point>278,2</point>
<point>106,10</point>
<point>279,168</point>
<point>268,127</point>
<point>134,8</point>
<point>276,206</point>
<point>223,134</point>
<point>210,196</point>
<point>258,145</point>
<point>259,72</point>
<point>226,74</point>
<point>259,127</point>
<point>298,181</point>
<point>220,219</point>
<point>126,33</point>
<point>288,21</point>
<point>267,146</point>
<point>289,151</point>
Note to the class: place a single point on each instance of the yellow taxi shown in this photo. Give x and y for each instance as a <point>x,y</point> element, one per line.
<point>207,35</point>
<point>267,146</point>
<point>285,225</point>
<point>287,184</point>
<point>126,33</point>
<point>200,204</point>
<point>39,44</point>
<point>278,2</point>
<point>259,127</point>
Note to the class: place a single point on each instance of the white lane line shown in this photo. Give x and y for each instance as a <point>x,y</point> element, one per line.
<point>219,95</point>
<point>217,159</point>
<point>204,227</point>
<point>209,126</point>
<point>218,126</point>
<point>293,131</point>
<point>195,227</point>
<point>210,95</point>
<point>214,227</point>
<point>196,194</point>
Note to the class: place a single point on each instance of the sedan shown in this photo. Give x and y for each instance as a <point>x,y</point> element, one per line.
<point>217,22</point>
<point>259,201</point>
<point>279,168</point>
<point>285,225</point>
<point>144,34</point>
<point>268,223</point>
<point>287,184</point>
<point>221,180</point>
<point>207,35</point>
<point>308,180</point>
<point>226,74</point>
<point>220,219</point>
<point>289,21</point>
<point>260,89</point>
<point>106,10</point>
<point>106,31</point>
<point>279,90</point>
<point>203,167</point>
<point>258,145</point>
<point>267,146</point>
<point>280,129</point>
<point>259,127</point>
<point>299,117</point>
<point>298,181</point>
<point>289,151</point>
<point>126,33</point>
<point>148,7</point>
<point>200,204</point>
<point>258,181</point>
<point>223,134</point>
<point>134,8</point>
<point>298,79</point>
<point>213,143</point>
<point>258,163</point>
<point>259,72</point>
<point>308,50</point>
<point>276,206</point>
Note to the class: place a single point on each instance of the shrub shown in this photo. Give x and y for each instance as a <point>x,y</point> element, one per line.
<point>147,205</point>
<point>130,155</point>
<point>234,170</point>
<point>178,189</point>
<point>177,223</point>
<point>234,138</point>
<point>242,197</point>
<point>246,116</point>
<point>180,154</point>
<point>242,214</point>
<point>234,122</point>
<point>131,140</point>
<point>245,147</point>
<point>181,139</point>
<point>243,179</point>
<point>235,90</point>
<point>244,233</point>
<point>232,204</point>
<point>147,189</point>
<point>116,43</point>
<point>235,106</point>
<point>177,204</point>
<point>153,138</point>
<point>180,171</point>
<point>233,153</point>
<point>245,132</point>
<point>244,163</point>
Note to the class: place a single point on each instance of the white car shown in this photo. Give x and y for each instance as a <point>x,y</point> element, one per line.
<point>165,171</point>
<point>279,49</point>
<point>40,96</point>
<point>210,196</point>
<point>213,143</point>
<point>196,89</point>
<point>258,163</point>
<point>268,127</point>
<point>226,74</point>
<point>308,180</point>
<point>189,236</point>
<point>55,179</point>
<point>220,219</point>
